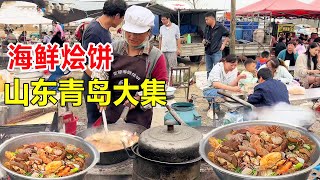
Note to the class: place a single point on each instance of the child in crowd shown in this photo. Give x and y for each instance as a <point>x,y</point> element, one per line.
<point>269,91</point>
<point>250,73</point>
<point>264,58</point>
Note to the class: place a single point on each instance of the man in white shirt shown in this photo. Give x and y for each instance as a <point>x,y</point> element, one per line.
<point>169,42</point>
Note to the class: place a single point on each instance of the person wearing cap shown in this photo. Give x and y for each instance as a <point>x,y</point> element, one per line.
<point>98,32</point>
<point>135,59</point>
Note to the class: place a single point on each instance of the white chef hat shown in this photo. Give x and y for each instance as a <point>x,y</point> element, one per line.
<point>138,19</point>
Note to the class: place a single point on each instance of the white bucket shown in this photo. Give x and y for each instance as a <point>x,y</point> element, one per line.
<point>287,63</point>
<point>201,79</point>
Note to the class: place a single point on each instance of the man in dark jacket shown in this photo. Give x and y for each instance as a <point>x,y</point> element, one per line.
<point>269,91</point>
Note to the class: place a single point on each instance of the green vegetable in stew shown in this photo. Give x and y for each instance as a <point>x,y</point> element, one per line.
<point>298,166</point>
<point>292,146</point>
<point>273,174</point>
<point>238,170</point>
<point>81,156</point>
<point>307,146</point>
<point>40,175</point>
<point>254,172</point>
<point>74,170</point>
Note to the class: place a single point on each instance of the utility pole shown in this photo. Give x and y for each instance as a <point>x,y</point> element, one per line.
<point>233,27</point>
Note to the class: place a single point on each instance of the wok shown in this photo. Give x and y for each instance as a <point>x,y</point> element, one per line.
<point>224,174</point>
<point>18,141</point>
<point>113,157</point>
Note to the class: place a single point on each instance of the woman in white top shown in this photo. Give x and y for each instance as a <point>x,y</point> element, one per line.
<point>279,70</point>
<point>223,76</point>
<point>307,68</point>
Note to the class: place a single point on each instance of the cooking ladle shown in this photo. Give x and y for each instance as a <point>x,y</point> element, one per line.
<point>175,115</point>
<point>105,124</point>
<point>237,99</point>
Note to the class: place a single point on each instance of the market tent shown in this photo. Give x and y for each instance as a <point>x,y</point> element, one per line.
<point>72,15</point>
<point>280,8</point>
<point>39,3</point>
<point>315,3</point>
<point>79,9</point>
<point>82,9</point>
<point>10,16</point>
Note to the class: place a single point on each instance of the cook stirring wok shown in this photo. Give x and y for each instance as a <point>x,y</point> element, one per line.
<point>139,59</point>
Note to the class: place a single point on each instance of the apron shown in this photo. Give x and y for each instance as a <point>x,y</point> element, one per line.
<point>133,68</point>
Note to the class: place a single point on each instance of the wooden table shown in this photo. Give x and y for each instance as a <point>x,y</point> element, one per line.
<point>311,94</point>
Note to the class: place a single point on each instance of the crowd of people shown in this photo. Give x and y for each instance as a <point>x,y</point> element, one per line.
<point>268,75</point>
<point>56,35</point>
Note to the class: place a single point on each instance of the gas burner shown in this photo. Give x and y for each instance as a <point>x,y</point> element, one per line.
<point>170,97</point>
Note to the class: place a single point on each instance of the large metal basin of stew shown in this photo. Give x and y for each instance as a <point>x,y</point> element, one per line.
<point>224,174</point>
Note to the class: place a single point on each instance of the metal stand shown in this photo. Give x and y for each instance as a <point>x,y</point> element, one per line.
<point>213,102</point>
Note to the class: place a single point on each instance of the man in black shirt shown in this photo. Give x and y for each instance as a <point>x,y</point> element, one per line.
<point>98,32</point>
<point>213,41</point>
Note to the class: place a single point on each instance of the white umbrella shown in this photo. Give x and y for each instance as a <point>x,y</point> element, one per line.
<point>177,5</point>
<point>4,20</point>
<point>10,16</point>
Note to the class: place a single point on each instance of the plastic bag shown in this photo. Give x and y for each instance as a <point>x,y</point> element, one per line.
<point>294,88</point>
<point>201,79</point>
<point>232,117</point>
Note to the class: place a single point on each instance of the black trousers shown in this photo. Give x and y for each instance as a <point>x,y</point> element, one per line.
<point>92,110</point>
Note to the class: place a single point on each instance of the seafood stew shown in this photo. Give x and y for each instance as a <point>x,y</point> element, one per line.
<point>262,151</point>
<point>46,160</point>
<point>112,141</point>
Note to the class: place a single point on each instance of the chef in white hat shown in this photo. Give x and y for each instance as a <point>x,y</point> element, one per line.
<point>135,59</point>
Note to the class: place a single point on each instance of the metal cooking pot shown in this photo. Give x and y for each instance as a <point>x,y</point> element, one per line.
<point>3,115</point>
<point>173,144</point>
<point>113,157</point>
<point>18,141</point>
<point>145,168</point>
<point>167,152</point>
<point>224,174</point>
<point>14,110</point>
